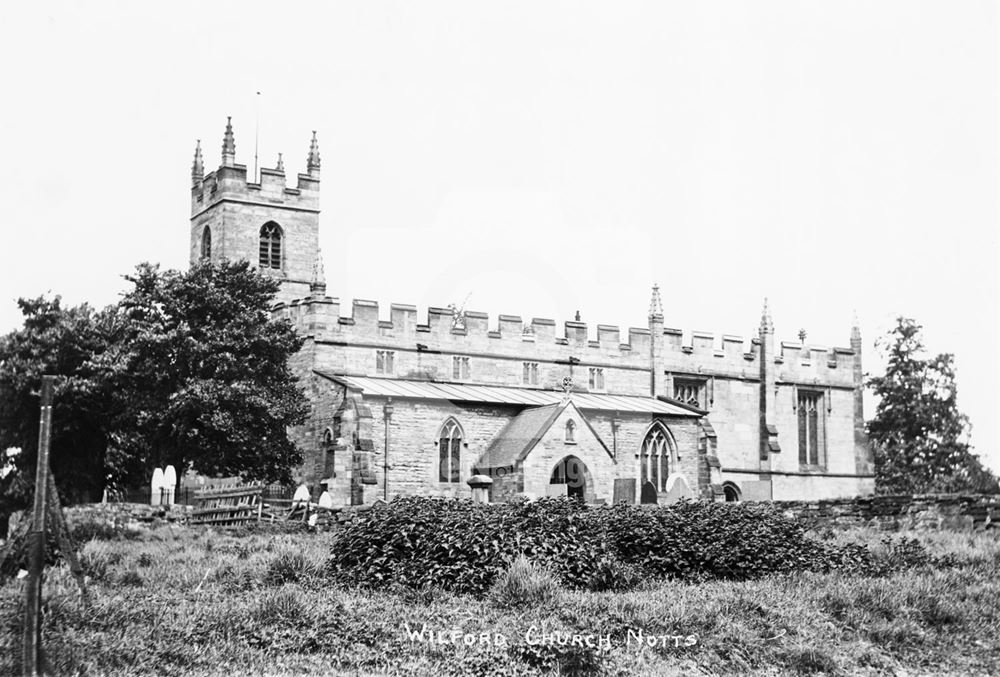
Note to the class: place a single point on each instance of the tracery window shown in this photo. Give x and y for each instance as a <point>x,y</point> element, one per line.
<point>654,458</point>
<point>270,245</point>
<point>690,392</point>
<point>812,442</point>
<point>449,452</point>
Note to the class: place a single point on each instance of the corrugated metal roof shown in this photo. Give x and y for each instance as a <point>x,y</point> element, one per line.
<point>460,392</point>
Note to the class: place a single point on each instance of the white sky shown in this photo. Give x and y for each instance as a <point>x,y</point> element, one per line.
<point>543,156</point>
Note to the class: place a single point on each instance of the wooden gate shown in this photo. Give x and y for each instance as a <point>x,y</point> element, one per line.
<point>228,504</point>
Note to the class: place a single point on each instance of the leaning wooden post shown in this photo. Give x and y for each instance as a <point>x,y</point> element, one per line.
<point>36,539</point>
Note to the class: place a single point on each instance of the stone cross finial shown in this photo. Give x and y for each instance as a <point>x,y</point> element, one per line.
<point>228,145</point>
<point>802,336</point>
<point>312,162</point>
<point>656,304</point>
<point>567,386</point>
<point>198,167</point>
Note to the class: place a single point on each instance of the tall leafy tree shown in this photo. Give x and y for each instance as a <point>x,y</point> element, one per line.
<point>63,342</point>
<point>202,377</point>
<point>918,434</point>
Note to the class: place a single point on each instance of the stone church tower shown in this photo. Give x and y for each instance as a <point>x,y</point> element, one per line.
<point>263,221</point>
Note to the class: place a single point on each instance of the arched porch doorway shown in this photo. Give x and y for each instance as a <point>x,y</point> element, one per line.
<point>572,472</point>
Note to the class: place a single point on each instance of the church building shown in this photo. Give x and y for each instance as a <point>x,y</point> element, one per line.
<point>422,402</point>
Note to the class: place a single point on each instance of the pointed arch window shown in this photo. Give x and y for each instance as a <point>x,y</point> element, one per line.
<point>329,453</point>
<point>270,245</point>
<point>449,452</point>
<point>570,437</point>
<point>206,244</point>
<point>654,458</point>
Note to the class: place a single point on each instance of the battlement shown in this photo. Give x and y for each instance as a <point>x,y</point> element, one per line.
<point>230,184</point>
<point>441,329</point>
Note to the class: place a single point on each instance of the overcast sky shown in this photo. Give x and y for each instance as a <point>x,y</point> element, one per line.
<point>539,158</point>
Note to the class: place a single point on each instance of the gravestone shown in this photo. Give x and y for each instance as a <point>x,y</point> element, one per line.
<point>648,496</point>
<point>557,490</point>
<point>169,485</point>
<point>156,487</point>
<point>624,491</point>
<point>677,488</point>
<point>301,495</point>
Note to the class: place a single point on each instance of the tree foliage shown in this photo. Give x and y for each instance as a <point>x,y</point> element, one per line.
<point>61,341</point>
<point>189,368</point>
<point>919,436</point>
<point>203,374</point>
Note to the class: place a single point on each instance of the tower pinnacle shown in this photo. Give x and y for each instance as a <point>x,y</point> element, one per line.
<point>281,164</point>
<point>228,145</point>
<point>198,168</point>
<point>656,304</point>
<point>766,325</point>
<point>318,284</point>
<point>312,162</point>
<point>856,329</point>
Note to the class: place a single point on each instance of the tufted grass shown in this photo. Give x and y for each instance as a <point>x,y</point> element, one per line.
<point>179,602</point>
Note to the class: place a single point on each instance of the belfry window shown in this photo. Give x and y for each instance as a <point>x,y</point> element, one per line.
<point>654,458</point>
<point>596,378</point>
<point>530,376</point>
<point>206,244</point>
<point>449,452</point>
<point>270,245</point>
<point>812,433</point>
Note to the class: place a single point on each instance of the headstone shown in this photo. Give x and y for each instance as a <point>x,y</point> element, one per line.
<point>480,488</point>
<point>156,487</point>
<point>678,488</point>
<point>169,484</point>
<point>557,490</point>
<point>326,500</point>
<point>301,495</point>
<point>648,495</point>
<point>624,491</point>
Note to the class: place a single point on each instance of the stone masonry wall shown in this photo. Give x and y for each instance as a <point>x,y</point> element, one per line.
<point>893,513</point>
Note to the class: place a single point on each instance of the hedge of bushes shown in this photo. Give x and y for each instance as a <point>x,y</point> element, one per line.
<point>463,546</point>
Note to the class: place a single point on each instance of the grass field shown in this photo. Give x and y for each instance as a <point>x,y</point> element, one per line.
<point>190,602</point>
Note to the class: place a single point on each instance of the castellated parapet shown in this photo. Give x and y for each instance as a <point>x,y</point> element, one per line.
<point>426,344</point>
<point>228,212</point>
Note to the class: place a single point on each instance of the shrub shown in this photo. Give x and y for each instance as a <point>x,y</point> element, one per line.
<point>524,583</point>
<point>463,546</point>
